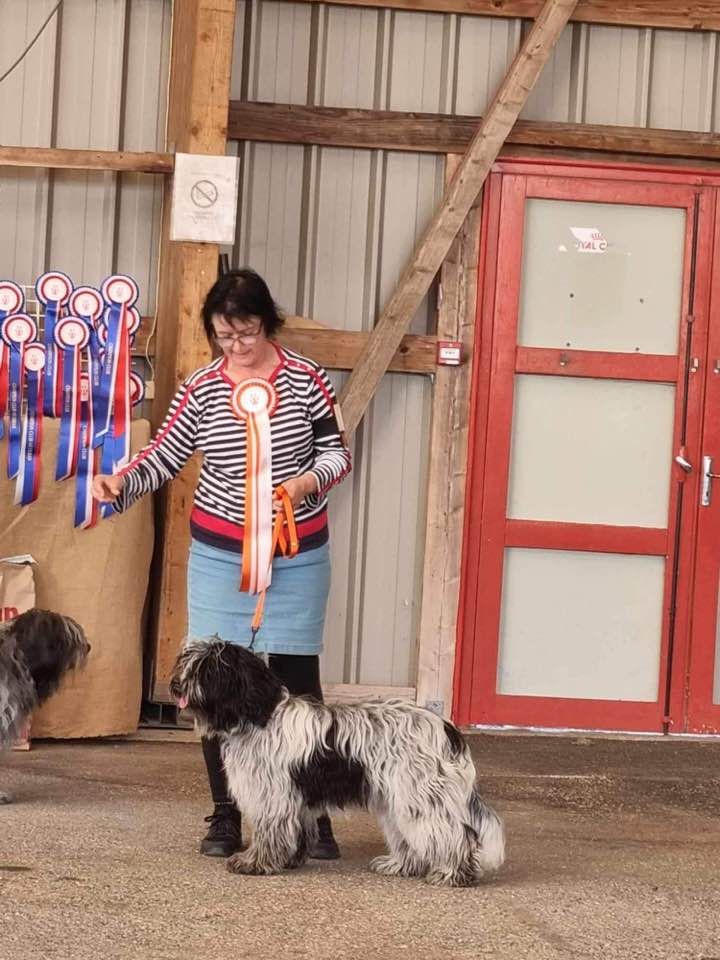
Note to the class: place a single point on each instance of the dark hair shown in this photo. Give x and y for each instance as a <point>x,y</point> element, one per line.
<point>49,644</point>
<point>240,294</point>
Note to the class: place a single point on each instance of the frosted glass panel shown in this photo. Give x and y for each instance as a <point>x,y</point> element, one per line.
<point>581,625</point>
<point>602,276</point>
<point>591,451</point>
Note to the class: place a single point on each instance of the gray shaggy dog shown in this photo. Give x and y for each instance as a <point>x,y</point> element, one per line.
<point>290,758</point>
<point>37,648</point>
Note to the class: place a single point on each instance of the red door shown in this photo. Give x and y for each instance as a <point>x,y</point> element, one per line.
<point>702,663</point>
<point>588,397</point>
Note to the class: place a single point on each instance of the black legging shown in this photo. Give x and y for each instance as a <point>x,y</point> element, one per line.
<point>216,773</point>
<point>301,675</point>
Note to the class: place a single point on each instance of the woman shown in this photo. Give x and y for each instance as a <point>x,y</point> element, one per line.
<point>308,455</point>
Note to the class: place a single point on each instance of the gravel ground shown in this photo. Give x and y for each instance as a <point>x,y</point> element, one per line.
<point>613,852</point>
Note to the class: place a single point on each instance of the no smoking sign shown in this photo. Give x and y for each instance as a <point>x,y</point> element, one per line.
<point>204,194</point>
<point>204,205</point>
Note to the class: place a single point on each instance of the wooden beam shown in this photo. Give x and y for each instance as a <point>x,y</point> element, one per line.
<point>144,342</point>
<point>601,158</point>
<point>459,198</point>
<point>357,692</point>
<point>341,349</point>
<point>333,693</point>
<point>673,14</point>
<point>201,55</point>
<point>60,159</point>
<point>444,133</point>
<point>332,349</point>
<point>447,470</point>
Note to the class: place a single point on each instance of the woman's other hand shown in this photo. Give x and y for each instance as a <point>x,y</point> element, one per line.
<point>297,488</point>
<point>106,488</point>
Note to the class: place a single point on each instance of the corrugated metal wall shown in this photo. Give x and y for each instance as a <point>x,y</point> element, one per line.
<point>332,228</point>
<point>96,78</point>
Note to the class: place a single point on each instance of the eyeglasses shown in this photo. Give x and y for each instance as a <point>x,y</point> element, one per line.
<point>229,340</point>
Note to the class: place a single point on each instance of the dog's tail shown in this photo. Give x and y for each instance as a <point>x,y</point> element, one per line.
<point>489,853</point>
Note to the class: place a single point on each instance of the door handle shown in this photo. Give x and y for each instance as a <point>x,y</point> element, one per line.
<point>707,478</point>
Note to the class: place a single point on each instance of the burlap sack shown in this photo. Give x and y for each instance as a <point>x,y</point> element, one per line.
<point>100,578</point>
<point>17,587</point>
<point>17,594</point>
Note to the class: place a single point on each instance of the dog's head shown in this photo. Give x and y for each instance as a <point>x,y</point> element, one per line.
<point>224,685</point>
<point>50,645</point>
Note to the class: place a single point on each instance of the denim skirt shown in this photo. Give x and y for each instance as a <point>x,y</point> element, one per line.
<point>295,602</point>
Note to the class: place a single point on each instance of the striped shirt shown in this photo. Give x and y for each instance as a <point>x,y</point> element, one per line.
<point>305,437</point>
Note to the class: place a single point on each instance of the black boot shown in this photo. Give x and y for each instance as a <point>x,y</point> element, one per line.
<point>326,847</point>
<point>224,838</point>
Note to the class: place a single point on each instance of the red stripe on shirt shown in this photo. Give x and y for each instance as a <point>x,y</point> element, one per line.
<point>234,531</point>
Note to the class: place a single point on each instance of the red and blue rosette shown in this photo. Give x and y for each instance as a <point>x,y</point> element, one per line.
<point>12,300</point>
<point>27,484</point>
<point>120,293</point>
<point>71,338</point>
<point>107,465</point>
<point>109,460</point>
<point>16,330</point>
<point>137,388</point>
<point>87,303</point>
<point>102,395</point>
<point>53,290</point>
<point>85,504</point>
<point>106,393</point>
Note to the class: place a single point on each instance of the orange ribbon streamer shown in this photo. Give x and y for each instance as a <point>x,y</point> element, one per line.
<point>285,537</point>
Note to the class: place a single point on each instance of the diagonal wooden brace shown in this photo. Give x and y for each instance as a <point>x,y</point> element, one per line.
<point>459,197</point>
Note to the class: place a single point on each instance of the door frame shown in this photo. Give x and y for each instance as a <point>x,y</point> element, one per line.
<point>703,716</point>
<point>675,652</point>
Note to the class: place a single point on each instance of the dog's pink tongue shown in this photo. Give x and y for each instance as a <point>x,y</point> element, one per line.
<point>182,702</point>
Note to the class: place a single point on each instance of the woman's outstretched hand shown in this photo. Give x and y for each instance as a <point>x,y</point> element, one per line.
<point>106,488</point>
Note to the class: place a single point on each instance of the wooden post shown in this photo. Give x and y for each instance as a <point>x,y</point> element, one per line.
<point>450,215</point>
<point>201,57</point>
<point>448,469</point>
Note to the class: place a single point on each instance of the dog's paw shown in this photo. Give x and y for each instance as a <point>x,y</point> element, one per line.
<point>387,866</point>
<point>296,861</point>
<point>449,878</point>
<point>242,863</point>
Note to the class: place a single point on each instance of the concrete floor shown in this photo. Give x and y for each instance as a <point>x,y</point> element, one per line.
<point>614,852</point>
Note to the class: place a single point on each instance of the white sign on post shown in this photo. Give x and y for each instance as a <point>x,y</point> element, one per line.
<point>205,195</point>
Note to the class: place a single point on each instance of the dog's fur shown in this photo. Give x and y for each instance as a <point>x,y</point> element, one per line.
<point>36,649</point>
<point>289,758</point>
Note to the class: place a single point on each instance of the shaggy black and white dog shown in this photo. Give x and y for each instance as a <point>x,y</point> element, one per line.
<point>36,649</point>
<point>289,758</point>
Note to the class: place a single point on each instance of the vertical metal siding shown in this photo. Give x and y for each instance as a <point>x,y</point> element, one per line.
<point>97,78</point>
